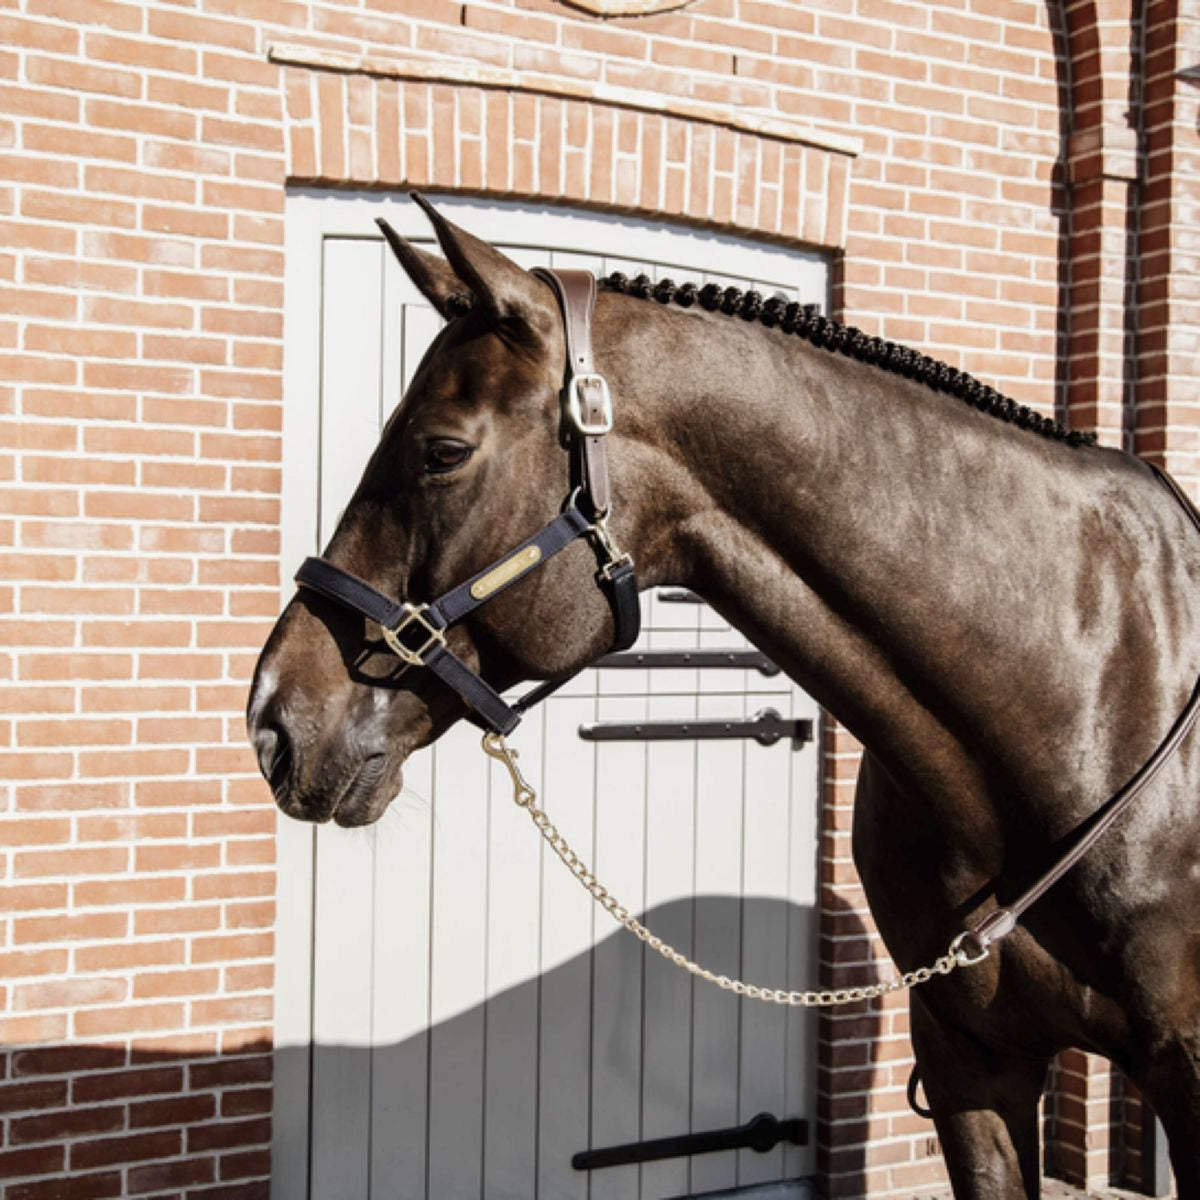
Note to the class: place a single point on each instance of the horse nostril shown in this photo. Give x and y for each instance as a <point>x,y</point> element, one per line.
<point>274,749</point>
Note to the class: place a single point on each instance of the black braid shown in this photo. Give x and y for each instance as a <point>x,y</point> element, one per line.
<point>807,321</point>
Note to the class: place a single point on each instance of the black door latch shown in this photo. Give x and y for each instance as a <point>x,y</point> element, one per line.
<point>762,1133</point>
<point>766,727</point>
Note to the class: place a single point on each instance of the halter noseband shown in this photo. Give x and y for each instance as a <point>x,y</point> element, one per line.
<point>415,633</point>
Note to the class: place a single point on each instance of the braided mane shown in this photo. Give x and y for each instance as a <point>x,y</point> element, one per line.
<point>805,321</point>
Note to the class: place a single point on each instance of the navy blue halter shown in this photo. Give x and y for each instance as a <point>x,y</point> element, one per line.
<point>415,633</point>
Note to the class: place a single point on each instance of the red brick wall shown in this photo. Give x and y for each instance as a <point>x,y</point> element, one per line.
<point>144,151</point>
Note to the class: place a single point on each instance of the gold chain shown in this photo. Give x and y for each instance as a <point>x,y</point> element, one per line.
<point>525,797</point>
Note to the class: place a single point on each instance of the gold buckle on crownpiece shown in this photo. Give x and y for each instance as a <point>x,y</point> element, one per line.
<point>414,614</point>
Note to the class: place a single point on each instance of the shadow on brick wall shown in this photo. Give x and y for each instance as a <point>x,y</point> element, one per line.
<point>91,1122</point>
<point>854,1072</point>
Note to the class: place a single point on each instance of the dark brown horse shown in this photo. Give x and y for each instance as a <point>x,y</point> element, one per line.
<point>1008,620</point>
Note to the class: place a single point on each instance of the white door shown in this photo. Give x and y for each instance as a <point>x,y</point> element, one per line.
<point>456,1019</point>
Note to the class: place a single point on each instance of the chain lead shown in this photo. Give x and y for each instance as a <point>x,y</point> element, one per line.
<point>525,797</point>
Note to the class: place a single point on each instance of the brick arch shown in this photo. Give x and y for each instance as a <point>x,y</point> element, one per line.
<point>371,122</point>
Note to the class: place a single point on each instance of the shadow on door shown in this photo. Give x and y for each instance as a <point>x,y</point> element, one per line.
<point>494,1102</point>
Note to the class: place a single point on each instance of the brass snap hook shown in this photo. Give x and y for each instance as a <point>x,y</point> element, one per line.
<point>494,746</point>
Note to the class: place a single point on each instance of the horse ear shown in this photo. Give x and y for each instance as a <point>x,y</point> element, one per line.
<point>505,290</point>
<point>434,277</point>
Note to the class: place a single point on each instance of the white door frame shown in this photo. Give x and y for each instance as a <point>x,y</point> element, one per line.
<point>313,214</point>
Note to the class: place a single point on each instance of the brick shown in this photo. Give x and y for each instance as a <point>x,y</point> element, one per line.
<point>75,862</point>
<point>32,1161</point>
<point>39,1095</point>
<point>77,1122</point>
<point>129,956</point>
<point>168,1175</point>
<point>189,983</point>
<point>55,139</point>
<point>77,76</point>
<point>60,928</point>
<point>59,206</point>
<point>99,1185</point>
<point>219,1135</point>
<point>245,1165</point>
<point>175,1110</point>
<point>36,1027</point>
<point>99,893</point>
<point>133,1149</point>
<point>74,797</point>
<point>129,1018</point>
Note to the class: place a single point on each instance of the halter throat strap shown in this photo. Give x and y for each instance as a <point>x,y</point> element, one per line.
<point>415,633</point>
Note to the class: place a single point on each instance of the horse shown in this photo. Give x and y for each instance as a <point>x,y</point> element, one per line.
<point>1004,613</point>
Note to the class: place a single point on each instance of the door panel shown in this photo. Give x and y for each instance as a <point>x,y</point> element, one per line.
<point>475,1018</point>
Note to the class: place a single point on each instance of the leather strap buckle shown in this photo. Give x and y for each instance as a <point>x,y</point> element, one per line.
<point>577,403</point>
<point>414,616</point>
<point>614,557</point>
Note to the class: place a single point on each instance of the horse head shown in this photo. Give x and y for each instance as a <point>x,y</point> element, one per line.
<point>469,465</point>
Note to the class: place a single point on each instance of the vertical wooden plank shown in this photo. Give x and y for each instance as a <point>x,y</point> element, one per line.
<point>458,964</point>
<point>296,842</point>
<point>762,1085</point>
<point>344,910</point>
<point>617,971</point>
<point>400,988</point>
<point>567,917</point>
<point>514,899</point>
<point>350,385</point>
<point>670,883</point>
<point>343,934</point>
<point>803,938</point>
<point>718,945</point>
<point>402,876</point>
<point>421,324</point>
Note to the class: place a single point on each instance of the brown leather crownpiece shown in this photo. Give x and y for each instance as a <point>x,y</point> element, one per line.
<point>576,292</point>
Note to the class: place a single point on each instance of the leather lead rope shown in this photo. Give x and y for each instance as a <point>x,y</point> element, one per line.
<point>1000,922</point>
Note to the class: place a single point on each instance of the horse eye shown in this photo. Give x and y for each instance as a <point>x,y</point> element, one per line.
<point>445,455</point>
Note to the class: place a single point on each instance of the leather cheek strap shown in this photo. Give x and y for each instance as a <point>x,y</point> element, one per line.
<point>576,294</point>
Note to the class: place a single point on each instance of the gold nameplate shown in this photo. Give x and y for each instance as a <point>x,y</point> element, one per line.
<point>506,572</point>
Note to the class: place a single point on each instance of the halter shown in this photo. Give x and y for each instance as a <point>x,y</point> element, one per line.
<point>416,633</point>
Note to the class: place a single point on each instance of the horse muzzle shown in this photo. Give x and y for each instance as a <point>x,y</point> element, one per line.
<point>318,772</point>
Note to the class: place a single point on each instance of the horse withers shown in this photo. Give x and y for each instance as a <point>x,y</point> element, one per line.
<point>1007,616</point>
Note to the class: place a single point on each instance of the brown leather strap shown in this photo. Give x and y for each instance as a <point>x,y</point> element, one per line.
<point>576,293</point>
<point>1000,922</point>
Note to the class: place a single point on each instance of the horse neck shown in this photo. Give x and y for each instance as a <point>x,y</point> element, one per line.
<point>869,533</point>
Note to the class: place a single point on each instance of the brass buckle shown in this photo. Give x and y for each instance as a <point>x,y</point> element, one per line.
<point>414,614</point>
<point>575,403</point>
<point>614,557</point>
